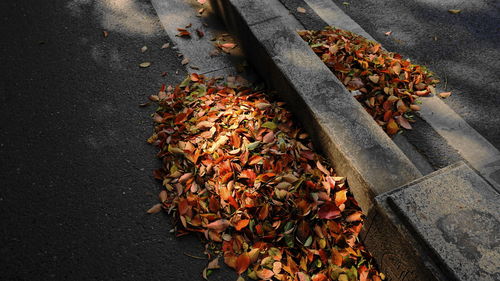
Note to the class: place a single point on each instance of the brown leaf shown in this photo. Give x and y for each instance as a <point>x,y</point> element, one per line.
<point>454,11</point>
<point>403,122</point>
<point>214,264</point>
<point>185,61</point>
<point>392,127</point>
<point>444,95</point>
<point>155,209</point>
<point>105,34</point>
<point>219,225</point>
<point>301,10</point>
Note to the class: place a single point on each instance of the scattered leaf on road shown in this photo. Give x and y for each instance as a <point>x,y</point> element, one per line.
<point>165,46</point>
<point>144,49</point>
<point>145,64</point>
<point>301,10</point>
<point>185,61</point>
<point>388,33</point>
<point>444,94</point>
<point>105,33</point>
<point>155,209</point>
<point>454,11</point>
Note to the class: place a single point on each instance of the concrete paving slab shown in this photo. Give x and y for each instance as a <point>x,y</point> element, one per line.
<point>449,219</point>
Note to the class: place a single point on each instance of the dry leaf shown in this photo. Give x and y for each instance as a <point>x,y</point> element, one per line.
<point>105,34</point>
<point>145,64</point>
<point>155,209</point>
<point>144,49</point>
<point>454,11</point>
<point>185,61</point>
<point>242,263</point>
<point>165,46</point>
<point>301,10</point>
<point>444,94</point>
<point>388,33</point>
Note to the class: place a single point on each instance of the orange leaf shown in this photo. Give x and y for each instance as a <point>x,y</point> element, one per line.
<point>195,77</point>
<point>354,217</point>
<point>340,197</point>
<point>336,257</point>
<point>392,127</point>
<point>241,224</point>
<point>319,277</point>
<point>242,263</point>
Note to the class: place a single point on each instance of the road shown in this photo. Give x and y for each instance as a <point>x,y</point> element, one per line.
<point>75,167</point>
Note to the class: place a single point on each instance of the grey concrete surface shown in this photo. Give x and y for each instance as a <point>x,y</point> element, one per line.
<point>357,147</point>
<point>75,178</point>
<point>456,212</point>
<point>448,219</point>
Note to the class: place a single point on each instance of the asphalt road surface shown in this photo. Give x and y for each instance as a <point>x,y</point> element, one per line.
<point>75,179</point>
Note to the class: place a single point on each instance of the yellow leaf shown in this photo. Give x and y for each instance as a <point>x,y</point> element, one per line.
<point>454,11</point>
<point>145,64</point>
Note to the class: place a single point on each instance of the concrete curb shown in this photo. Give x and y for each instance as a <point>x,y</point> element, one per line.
<point>356,145</point>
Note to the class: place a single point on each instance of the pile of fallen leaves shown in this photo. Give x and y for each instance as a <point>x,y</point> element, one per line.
<point>238,170</point>
<point>383,82</point>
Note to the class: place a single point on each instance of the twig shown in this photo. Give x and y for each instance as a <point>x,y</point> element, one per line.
<point>194,257</point>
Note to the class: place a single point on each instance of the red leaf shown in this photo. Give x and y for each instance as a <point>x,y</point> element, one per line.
<point>242,263</point>
<point>328,211</point>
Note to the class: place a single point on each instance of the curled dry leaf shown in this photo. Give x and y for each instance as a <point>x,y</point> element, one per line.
<point>444,95</point>
<point>165,46</point>
<point>185,61</point>
<point>454,11</point>
<point>301,10</point>
<point>145,64</point>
